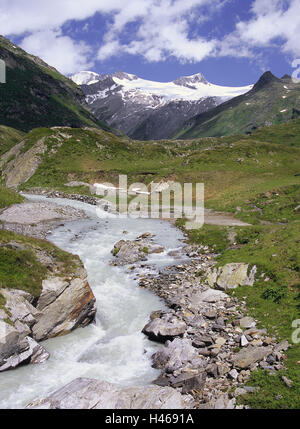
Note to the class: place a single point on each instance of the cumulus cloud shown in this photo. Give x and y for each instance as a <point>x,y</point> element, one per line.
<point>60,51</point>
<point>274,22</point>
<point>163,30</point>
<point>152,29</point>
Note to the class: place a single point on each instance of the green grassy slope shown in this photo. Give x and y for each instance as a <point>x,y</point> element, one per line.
<point>9,197</point>
<point>233,169</point>
<point>36,94</point>
<point>9,137</point>
<point>271,101</point>
<point>20,265</point>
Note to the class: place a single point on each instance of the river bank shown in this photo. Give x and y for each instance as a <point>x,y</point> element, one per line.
<point>203,357</point>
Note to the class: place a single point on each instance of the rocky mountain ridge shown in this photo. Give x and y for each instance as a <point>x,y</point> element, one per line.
<point>147,110</point>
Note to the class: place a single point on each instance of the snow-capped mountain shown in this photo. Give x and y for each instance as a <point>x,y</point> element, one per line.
<point>146,109</point>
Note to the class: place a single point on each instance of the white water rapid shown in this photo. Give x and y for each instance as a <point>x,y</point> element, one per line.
<point>112,349</point>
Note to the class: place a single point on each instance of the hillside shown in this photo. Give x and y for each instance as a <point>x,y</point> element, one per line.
<point>233,169</point>
<point>271,101</point>
<point>36,94</point>
<point>9,137</point>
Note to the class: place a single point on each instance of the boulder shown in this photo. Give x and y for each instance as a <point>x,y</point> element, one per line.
<point>188,381</point>
<point>10,342</point>
<point>19,307</point>
<point>64,306</point>
<point>247,323</point>
<point>209,296</point>
<point>165,328</point>
<point>84,393</point>
<point>129,252</point>
<point>250,355</point>
<point>16,350</point>
<point>176,355</point>
<point>230,276</point>
<point>223,403</point>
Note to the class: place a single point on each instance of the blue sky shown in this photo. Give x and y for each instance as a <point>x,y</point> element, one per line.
<point>232,42</point>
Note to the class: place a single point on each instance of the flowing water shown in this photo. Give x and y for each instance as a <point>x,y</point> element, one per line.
<point>113,348</point>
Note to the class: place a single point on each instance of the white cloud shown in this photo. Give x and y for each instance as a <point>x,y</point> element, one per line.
<point>272,20</point>
<point>58,50</point>
<point>162,28</point>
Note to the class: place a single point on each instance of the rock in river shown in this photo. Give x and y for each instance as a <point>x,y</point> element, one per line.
<point>84,393</point>
<point>165,328</point>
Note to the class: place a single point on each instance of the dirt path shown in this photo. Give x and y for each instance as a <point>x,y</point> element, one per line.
<point>223,219</point>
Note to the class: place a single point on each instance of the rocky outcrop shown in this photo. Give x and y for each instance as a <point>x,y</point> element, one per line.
<point>64,304</point>
<point>230,276</point>
<point>84,393</point>
<point>20,169</point>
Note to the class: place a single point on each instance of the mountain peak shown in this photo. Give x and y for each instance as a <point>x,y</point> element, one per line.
<point>265,79</point>
<point>122,75</point>
<point>190,80</point>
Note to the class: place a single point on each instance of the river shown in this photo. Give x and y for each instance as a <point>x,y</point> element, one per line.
<point>113,348</point>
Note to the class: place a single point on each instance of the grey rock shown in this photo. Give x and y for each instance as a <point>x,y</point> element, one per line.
<point>209,296</point>
<point>15,351</point>
<point>10,343</point>
<point>230,276</point>
<point>175,355</point>
<point>203,339</point>
<point>129,252</point>
<point>188,382</point>
<point>247,322</point>
<point>73,306</point>
<point>271,359</point>
<point>212,370</point>
<point>250,355</point>
<point>162,330</point>
<point>211,314</point>
<point>84,393</point>
<point>224,403</point>
<point>244,341</point>
<point>233,374</point>
<point>283,346</point>
<point>19,307</point>
<point>39,353</point>
<point>287,381</point>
